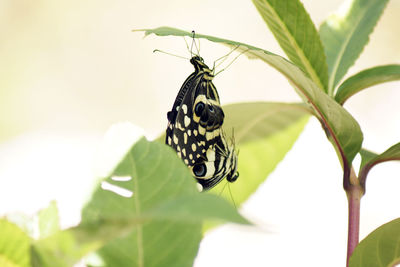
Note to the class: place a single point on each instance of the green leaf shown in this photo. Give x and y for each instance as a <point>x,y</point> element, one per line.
<point>195,209</point>
<point>264,133</point>
<point>393,153</point>
<point>366,156</point>
<point>65,248</point>
<point>345,33</point>
<point>150,213</point>
<point>341,128</point>
<point>380,248</point>
<point>14,245</point>
<point>156,174</point>
<point>49,222</point>
<point>365,79</point>
<point>293,29</point>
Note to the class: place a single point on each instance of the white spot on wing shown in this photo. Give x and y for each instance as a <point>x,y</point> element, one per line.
<point>199,187</point>
<point>179,126</point>
<point>185,137</point>
<point>187,121</point>
<point>210,155</point>
<point>184,108</point>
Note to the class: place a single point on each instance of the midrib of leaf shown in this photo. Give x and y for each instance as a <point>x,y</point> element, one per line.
<point>321,115</point>
<point>300,53</point>
<point>338,60</point>
<point>327,125</point>
<point>136,199</point>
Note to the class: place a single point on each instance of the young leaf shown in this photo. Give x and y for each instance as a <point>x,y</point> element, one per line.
<point>380,248</point>
<point>345,33</point>
<point>263,133</point>
<point>14,245</point>
<point>341,128</point>
<point>293,29</point>
<point>65,248</point>
<point>49,222</point>
<point>366,156</point>
<point>393,153</point>
<point>365,79</point>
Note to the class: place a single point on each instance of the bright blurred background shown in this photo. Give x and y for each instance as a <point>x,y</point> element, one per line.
<point>71,69</point>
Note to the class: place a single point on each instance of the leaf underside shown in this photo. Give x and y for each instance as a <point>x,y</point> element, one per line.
<point>365,79</point>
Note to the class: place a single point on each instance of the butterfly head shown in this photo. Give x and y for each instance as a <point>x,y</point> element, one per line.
<point>199,65</point>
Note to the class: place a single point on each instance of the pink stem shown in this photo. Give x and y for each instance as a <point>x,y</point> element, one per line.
<point>354,194</point>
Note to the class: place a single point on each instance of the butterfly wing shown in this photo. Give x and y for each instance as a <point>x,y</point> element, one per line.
<point>221,163</point>
<point>195,119</point>
<point>194,129</point>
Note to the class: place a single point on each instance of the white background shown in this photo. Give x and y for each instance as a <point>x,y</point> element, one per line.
<point>69,70</point>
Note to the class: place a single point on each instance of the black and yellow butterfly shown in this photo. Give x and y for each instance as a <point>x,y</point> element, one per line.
<point>195,129</point>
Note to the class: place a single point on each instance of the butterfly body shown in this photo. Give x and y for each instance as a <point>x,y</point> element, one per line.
<point>195,129</point>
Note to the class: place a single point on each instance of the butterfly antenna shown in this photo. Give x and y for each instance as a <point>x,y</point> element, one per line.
<point>223,58</point>
<point>198,47</point>
<point>187,45</point>
<point>241,53</point>
<point>223,189</point>
<point>230,193</point>
<point>233,136</point>
<point>160,51</point>
<point>194,44</point>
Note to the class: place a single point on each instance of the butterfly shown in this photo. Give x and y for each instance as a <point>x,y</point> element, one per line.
<point>195,129</point>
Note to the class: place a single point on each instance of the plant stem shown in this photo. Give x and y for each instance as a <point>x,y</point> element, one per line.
<point>354,193</point>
